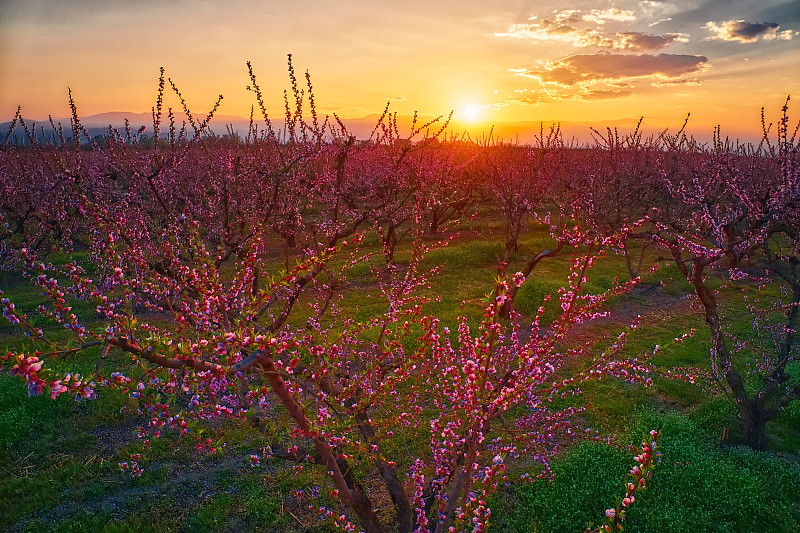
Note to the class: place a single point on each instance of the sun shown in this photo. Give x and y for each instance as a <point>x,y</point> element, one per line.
<point>471,112</point>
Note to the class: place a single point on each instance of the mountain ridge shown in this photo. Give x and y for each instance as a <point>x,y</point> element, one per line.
<point>524,132</point>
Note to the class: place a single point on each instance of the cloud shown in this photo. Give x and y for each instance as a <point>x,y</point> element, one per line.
<point>637,41</point>
<point>528,97</point>
<point>658,12</point>
<point>602,91</point>
<point>604,94</point>
<point>565,26</point>
<point>658,8</point>
<point>548,30</point>
<point>601,16</point>
<point>657,22</point>
<point>584,69</point>
<point>747,32</point>
<point>568,15</point>
<point>598,16</point>
<point>674,83</point>
<point>524,99</point>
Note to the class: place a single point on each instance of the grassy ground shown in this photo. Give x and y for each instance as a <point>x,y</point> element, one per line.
<point>59,459</point>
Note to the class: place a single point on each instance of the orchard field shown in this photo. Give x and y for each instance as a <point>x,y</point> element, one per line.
<point>296,330</point>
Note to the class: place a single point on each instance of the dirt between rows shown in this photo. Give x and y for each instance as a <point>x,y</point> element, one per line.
<point>650,305</point>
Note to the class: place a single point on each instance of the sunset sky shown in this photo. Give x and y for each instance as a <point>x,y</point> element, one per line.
<point>489,60</point>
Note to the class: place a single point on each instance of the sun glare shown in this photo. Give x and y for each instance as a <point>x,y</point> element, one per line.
<point>471,112</point>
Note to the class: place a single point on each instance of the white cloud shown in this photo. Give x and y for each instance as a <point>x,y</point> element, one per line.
<point>548,30</point>
<point>601,16</point>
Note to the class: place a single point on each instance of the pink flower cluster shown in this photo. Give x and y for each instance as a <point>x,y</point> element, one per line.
<point>643,470</point>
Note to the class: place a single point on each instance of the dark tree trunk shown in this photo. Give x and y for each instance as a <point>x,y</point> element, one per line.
<point>512,239</point>
<point>505,309</point>
<point>350,491</point>
<point>390,242</point>
<point>755,427</point>
<point>751,410</point>
<point>434,225</point>
<point>393,484</point>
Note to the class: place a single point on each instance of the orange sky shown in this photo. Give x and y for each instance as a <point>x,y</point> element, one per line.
<point>586,61</point>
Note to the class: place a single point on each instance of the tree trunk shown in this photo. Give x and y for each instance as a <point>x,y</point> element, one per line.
<point>505,309</point>
<point>350,491</point>
<point>434,225</point>
<point>512,238</point>
<point>390,242</point>
<point>393,484</point>
<point>628,261</point>
<point>755,427</point>
<point>751,410</point>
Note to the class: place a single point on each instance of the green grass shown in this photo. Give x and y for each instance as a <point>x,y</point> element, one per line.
<point>697,486</point>
<point>59,458</point>
<point>470,254</point>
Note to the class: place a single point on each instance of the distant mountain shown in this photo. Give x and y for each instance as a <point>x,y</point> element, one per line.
<point>99,124</point>
<point>524,132</point>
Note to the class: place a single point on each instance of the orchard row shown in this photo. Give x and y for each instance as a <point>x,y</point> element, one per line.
<point>194,252</point>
